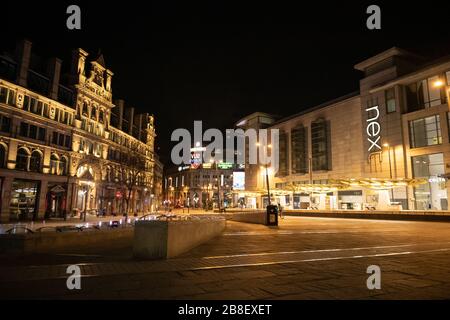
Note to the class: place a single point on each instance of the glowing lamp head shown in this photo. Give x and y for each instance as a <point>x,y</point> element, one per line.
<point>438,83</point>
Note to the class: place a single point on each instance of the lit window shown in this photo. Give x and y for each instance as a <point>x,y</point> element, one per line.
<point>425,132</point>
<point>390,100</point>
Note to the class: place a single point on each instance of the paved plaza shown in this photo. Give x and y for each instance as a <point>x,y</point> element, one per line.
<point>303,258</point>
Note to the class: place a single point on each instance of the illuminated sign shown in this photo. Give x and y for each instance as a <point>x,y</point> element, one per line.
<point>207,165</point>
<point>373,128</point>
<point>196,159</point>
<point>225,165</point>
<point>238,180</point>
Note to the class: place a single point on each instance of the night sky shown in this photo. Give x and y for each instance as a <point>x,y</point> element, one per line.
<point>219,61</point>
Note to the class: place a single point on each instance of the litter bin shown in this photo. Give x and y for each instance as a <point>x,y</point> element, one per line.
<point>272,215</point>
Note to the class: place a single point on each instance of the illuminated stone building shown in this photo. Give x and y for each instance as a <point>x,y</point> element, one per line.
<point>65,147</point>
<point>385,147</point>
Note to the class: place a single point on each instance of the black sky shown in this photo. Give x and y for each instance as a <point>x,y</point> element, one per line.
<point>218,61</point>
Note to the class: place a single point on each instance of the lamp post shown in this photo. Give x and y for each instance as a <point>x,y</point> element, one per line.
<point>267,170</point>
<point>386,145</point>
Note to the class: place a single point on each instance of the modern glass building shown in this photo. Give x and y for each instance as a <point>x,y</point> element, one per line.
<point>385,147</point>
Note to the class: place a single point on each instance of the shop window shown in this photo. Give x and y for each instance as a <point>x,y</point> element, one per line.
<point>433,194</point>
<point>35,161</point>
<point>22,159</point>
<point>23,204</point>
<point>390,100</point>
<point>425,132</point>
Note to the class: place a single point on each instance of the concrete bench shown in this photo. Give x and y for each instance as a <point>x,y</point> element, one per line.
<point>155,239</point>
<point>257,217</point>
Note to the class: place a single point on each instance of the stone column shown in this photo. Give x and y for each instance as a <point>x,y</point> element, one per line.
<point>12,155</point>
<point>42,199</point>
<point>6,198</point>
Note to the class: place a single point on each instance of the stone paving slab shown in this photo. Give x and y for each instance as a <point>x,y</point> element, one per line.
<point>302,259</point>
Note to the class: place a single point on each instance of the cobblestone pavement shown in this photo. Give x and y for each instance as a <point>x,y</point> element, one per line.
<point>304,258</point>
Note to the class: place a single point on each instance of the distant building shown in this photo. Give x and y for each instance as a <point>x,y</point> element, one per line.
<point>203,184</point>
<point>157,183</point>
<point>65,146</point>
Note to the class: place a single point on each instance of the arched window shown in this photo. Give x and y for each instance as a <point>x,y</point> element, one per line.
<point>54,161</point>
<point>2,155</point>
<point>85,109</point>
<point>35,161</point>
<point>94,113</point>
<point>22,159</point>
<point>63,166</point>
<point>101,116</point>
<point>90,148</point>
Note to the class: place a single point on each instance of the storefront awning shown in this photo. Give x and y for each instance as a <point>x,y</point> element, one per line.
<point>342,184</point>
<point>380,184</point>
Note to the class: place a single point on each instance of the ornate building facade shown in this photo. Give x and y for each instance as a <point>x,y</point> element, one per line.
<point>66,147</point>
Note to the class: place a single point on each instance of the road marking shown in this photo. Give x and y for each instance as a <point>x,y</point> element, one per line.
<point>264,233</point>
<point>319,259</point>
<point>78,255</point>
<point>313,251</point>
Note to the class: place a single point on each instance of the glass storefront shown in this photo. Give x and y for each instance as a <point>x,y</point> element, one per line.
<point>432,195</point>
<point>24,200</point>
<point>350,199</point>
<point>301,201</point>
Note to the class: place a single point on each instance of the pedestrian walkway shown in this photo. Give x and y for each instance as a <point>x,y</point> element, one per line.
<point>303,258</point>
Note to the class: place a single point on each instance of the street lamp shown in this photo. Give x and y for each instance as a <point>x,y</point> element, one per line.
<point>438,83</point>
<point>386,145</point>
<point>269,146</point>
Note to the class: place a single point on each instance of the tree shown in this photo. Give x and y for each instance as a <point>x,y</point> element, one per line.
<point>131,167</point>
